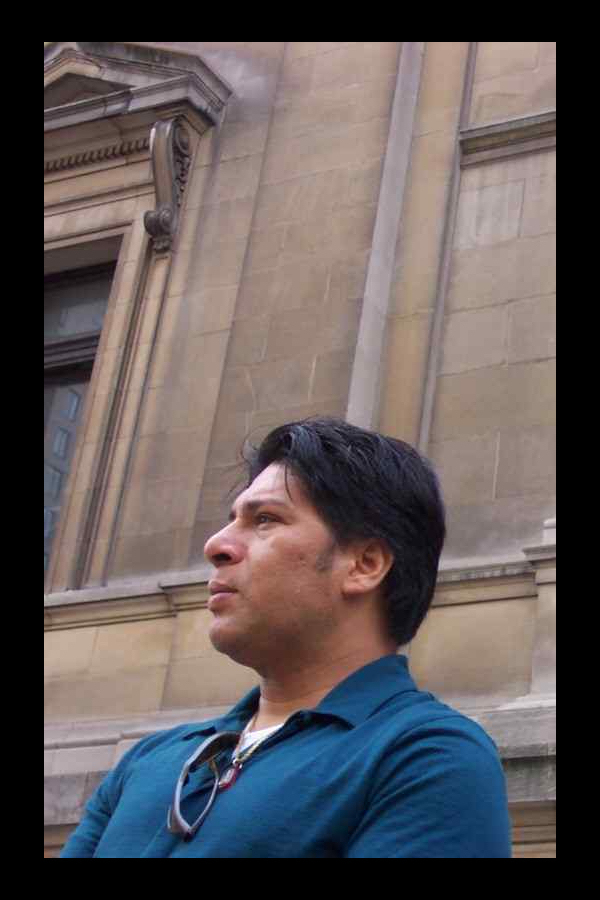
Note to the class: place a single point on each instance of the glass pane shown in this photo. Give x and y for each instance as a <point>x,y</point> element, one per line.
<point>61,442</point>
<point>63,405</point>
<point>75,306</point>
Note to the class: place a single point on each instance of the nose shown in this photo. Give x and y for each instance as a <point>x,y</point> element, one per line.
<point>223,548</point>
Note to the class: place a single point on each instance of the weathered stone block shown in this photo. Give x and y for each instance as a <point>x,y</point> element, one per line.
<point>242,139</point>
<point>498,529</point>
<point>513,96</point>
<point>524,167</point>
<point>255,297</point>
<point>196,191</point>
<point>442,658</point>
<point>333,106</point>
<point>204,680</point>
<point>490,215</point>
<point>153,506</point>
<point>355,64</point>
<point>346,232</point>
<point>325,150</point>
<point>498,397</point>
<point>347,278</point>
<point>474,340</point>
<point>143,553</point>
<point>129,646</point>
<point>237,391</point>
<point>227,438</point>
<point>282,382</point>
<point>261,423</point>
<point>496,58</point>
<point>212,310</point>
<point>548,52</point>
<point>527,462</point>
<point>440,91</point>
<point>307,198</point>
<point>532,329</point>
<point>49,761</point>
<point>265,248</point>
<point>539,211</point>
<point>217,265</point>
<point>74,760</point>
<point>235,179</point>
<point>332,375</point>
<point>191,639</point>
<point>466,467</point>
<point>301,49</point>
<point>104,696</point>
<point>226,221</point>
<point>167,455</point>
<point>403,376</point>
<point>512,271</point>
<point>68,652</point>
<point>292,333</point>
<point>296,79</point>
<point>64,798</point>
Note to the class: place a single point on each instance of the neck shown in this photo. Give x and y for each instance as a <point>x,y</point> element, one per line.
<point>291,689</point>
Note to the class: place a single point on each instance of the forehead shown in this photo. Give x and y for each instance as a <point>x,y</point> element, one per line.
<point>276,483</point>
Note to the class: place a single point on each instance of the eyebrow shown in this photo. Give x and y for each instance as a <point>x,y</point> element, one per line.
<point>250,506</point>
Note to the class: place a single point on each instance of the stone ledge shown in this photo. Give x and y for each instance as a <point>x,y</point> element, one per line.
<point>59,735</point>
<point>508,138</point>
<point>167,593</point>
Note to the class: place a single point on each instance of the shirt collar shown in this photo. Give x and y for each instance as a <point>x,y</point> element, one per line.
<point>357,697</point>
<point>234,720</point>
<point>354,700</point>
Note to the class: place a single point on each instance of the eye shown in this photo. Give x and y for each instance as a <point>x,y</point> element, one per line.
<point>262,518</point>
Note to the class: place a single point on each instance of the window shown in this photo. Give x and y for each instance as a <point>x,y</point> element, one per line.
<point>74,307</point>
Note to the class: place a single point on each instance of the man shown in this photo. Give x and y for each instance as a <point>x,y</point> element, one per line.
<point>327,566</point>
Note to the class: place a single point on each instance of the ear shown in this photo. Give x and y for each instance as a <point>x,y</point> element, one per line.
<point>368,564</point>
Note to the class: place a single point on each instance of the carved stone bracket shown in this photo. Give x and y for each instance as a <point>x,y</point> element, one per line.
<point>171,158</point>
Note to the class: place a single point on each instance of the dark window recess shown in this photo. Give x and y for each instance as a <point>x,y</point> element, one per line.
<point>74,308</point>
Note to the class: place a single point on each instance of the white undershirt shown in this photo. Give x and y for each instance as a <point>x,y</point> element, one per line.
<point>251,737</point>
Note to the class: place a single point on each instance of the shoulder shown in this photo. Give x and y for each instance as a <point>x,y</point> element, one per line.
<point>437,788</point>
<point>418,716</point>
<point>417,733</point>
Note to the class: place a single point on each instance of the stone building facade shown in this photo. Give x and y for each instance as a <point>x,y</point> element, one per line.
<point>239,234</point>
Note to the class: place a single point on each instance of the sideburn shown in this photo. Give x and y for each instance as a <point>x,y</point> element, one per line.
<point>324,561</point>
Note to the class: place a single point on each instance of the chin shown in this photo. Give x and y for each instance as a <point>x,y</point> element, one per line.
<point>232,644</point>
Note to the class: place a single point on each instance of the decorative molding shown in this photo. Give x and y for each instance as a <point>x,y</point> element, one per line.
<point>474,572</point>
<point>139,80</point>
<point>155,599</point>
<point>171,156</point>
<point>508,138</point>
<point>98,154</point>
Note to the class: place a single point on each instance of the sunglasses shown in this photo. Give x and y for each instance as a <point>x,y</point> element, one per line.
<point>206,753</point>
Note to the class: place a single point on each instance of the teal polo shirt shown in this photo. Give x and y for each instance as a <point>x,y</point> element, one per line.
<point>377,770</point>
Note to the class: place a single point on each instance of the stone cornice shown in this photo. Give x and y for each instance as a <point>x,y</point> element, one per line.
<point>157,598</point>
<point>185,89</point>
<point>168,593</point>
<point>138,80</point>
<point>508,138</point>
<point>97,154</point>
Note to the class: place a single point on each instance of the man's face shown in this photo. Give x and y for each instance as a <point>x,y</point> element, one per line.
<point>277,588</point>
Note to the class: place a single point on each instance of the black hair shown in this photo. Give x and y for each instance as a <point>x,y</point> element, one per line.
<point>366,485</point>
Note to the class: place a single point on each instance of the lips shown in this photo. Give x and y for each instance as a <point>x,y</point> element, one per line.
<point>219,593</point>
<point>218,587</point>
